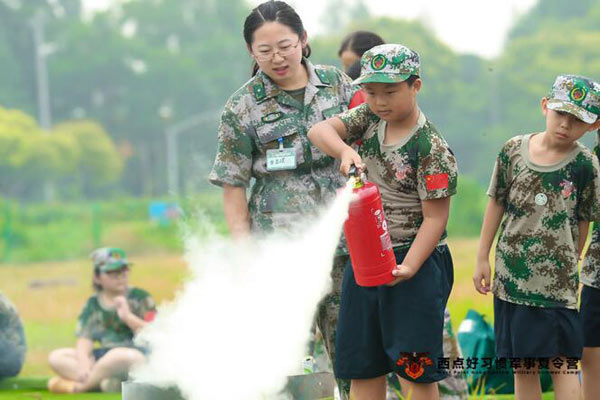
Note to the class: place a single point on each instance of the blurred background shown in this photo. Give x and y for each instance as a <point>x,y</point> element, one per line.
<point>109,109</point>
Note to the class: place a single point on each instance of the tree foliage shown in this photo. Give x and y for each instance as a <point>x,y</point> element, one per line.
<point>143,66</point>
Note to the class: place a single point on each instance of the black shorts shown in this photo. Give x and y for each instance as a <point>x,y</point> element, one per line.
<point>590,316</point>
<point>101,351</point>
<point>383,329</point>
<point>536,332</point>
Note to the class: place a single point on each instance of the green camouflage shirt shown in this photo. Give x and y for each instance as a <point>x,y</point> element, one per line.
<point>536,254</point>
<point>11,328</point>
<point>590,270</point>
<point>104,326</point>
<point>420,167</point>
<point>254,119</point>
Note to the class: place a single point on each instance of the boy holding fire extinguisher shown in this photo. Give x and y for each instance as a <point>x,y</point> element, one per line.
<point>398,326</point>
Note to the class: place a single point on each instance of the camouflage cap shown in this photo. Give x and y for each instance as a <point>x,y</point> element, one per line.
<point>109,259</point>
<point>388,63</point>
<point>576,95</point>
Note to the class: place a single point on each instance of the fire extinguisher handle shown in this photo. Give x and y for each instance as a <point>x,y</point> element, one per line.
<point>353,171</point>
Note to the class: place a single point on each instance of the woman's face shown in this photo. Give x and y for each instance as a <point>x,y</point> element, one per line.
<point>278,52</point>
<point>348,58</point>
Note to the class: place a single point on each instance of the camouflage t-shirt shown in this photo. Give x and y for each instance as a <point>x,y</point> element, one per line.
<point>260,117</point>
<point>420,167</point>
<point>590,270</point>
<point>536,254</point>
<point>103,325</point>
<point>11,328</point>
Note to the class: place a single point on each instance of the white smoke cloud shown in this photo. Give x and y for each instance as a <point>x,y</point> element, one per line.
<point>240,325</point>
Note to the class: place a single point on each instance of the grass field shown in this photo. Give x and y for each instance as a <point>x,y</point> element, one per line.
<point>49,297</point>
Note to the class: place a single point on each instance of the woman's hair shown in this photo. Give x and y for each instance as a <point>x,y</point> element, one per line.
<point>353,71</point>
<point>359,42</point>
<point>273,11</point>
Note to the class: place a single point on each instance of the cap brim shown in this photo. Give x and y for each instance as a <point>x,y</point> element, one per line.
<point>381,77</point>
<point>115,266</point>
<point>579,112</point>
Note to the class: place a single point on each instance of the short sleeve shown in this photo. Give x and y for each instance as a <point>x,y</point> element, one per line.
<point>437,170</point>
<point>498,187</point>
<point>233,162</point>
<point>142,304</point>
<point>357,121</point>
<point>587,208</point>
<point>83,328</point>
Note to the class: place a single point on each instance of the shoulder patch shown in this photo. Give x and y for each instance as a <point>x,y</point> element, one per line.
<point>258,90</point>
<point>323,77</point>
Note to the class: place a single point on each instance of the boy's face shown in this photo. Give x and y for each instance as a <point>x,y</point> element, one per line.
<point>114,282</point>
<point>392,102</point>
<point>565,127</point>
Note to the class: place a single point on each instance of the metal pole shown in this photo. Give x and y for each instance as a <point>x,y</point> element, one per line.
<point>43,91</point>
<point>172,162</point>
<point>171,134</point>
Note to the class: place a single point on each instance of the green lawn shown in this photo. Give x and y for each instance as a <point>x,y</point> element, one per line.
<point>49,296</point>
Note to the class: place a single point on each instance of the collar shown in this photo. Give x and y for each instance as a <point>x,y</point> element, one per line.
<point>264,88</point>
<point>391,147</point>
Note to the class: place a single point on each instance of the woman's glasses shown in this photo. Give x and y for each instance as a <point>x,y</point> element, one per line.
<point>283,51</point>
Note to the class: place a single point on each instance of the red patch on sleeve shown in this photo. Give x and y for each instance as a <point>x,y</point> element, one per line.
<point>149,316</point>
<point>358,98</point>
<point>438,181</point>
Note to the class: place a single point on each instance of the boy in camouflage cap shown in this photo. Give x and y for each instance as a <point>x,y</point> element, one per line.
<point>590,309</point>
<point>111,317</point>
<point>416,172</point>
<point>545,187</point>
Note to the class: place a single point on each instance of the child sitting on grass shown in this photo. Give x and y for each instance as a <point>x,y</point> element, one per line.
<point>111,317</point>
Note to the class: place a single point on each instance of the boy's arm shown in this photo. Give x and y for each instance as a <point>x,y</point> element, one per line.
<point>435,218</point>
<point>491,221</point>
<point>134,322</point>
<point>329,137</point>
<point>584,228</point>
<point>83,351</point>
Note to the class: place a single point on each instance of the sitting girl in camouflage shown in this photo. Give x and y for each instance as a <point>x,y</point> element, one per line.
<point>545,187</point>
<point>111,317</point>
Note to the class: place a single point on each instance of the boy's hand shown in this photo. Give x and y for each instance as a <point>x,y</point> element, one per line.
<point>481,276</point>
<point>402,273</point>
<point>122,308</point>
<point>350,157</point>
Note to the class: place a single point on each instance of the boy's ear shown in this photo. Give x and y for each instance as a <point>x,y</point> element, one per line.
<point>595,125</point>
<point>544,105</point>
<point>417,84</point>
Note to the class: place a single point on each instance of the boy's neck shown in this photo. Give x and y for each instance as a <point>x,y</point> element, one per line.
<point>545,151</point>
<point>399,129</point>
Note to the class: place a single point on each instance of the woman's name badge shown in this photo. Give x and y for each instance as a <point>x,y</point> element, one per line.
<point>281,159</point>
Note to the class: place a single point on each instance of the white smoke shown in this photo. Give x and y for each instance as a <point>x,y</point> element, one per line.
<point>241,324</point>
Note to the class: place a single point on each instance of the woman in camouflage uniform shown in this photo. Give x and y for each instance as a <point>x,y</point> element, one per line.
<point>262,135</point>
<point>12,339</point>
<point>111,317</point>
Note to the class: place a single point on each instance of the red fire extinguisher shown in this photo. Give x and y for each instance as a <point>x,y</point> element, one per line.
<point>367,235</point>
